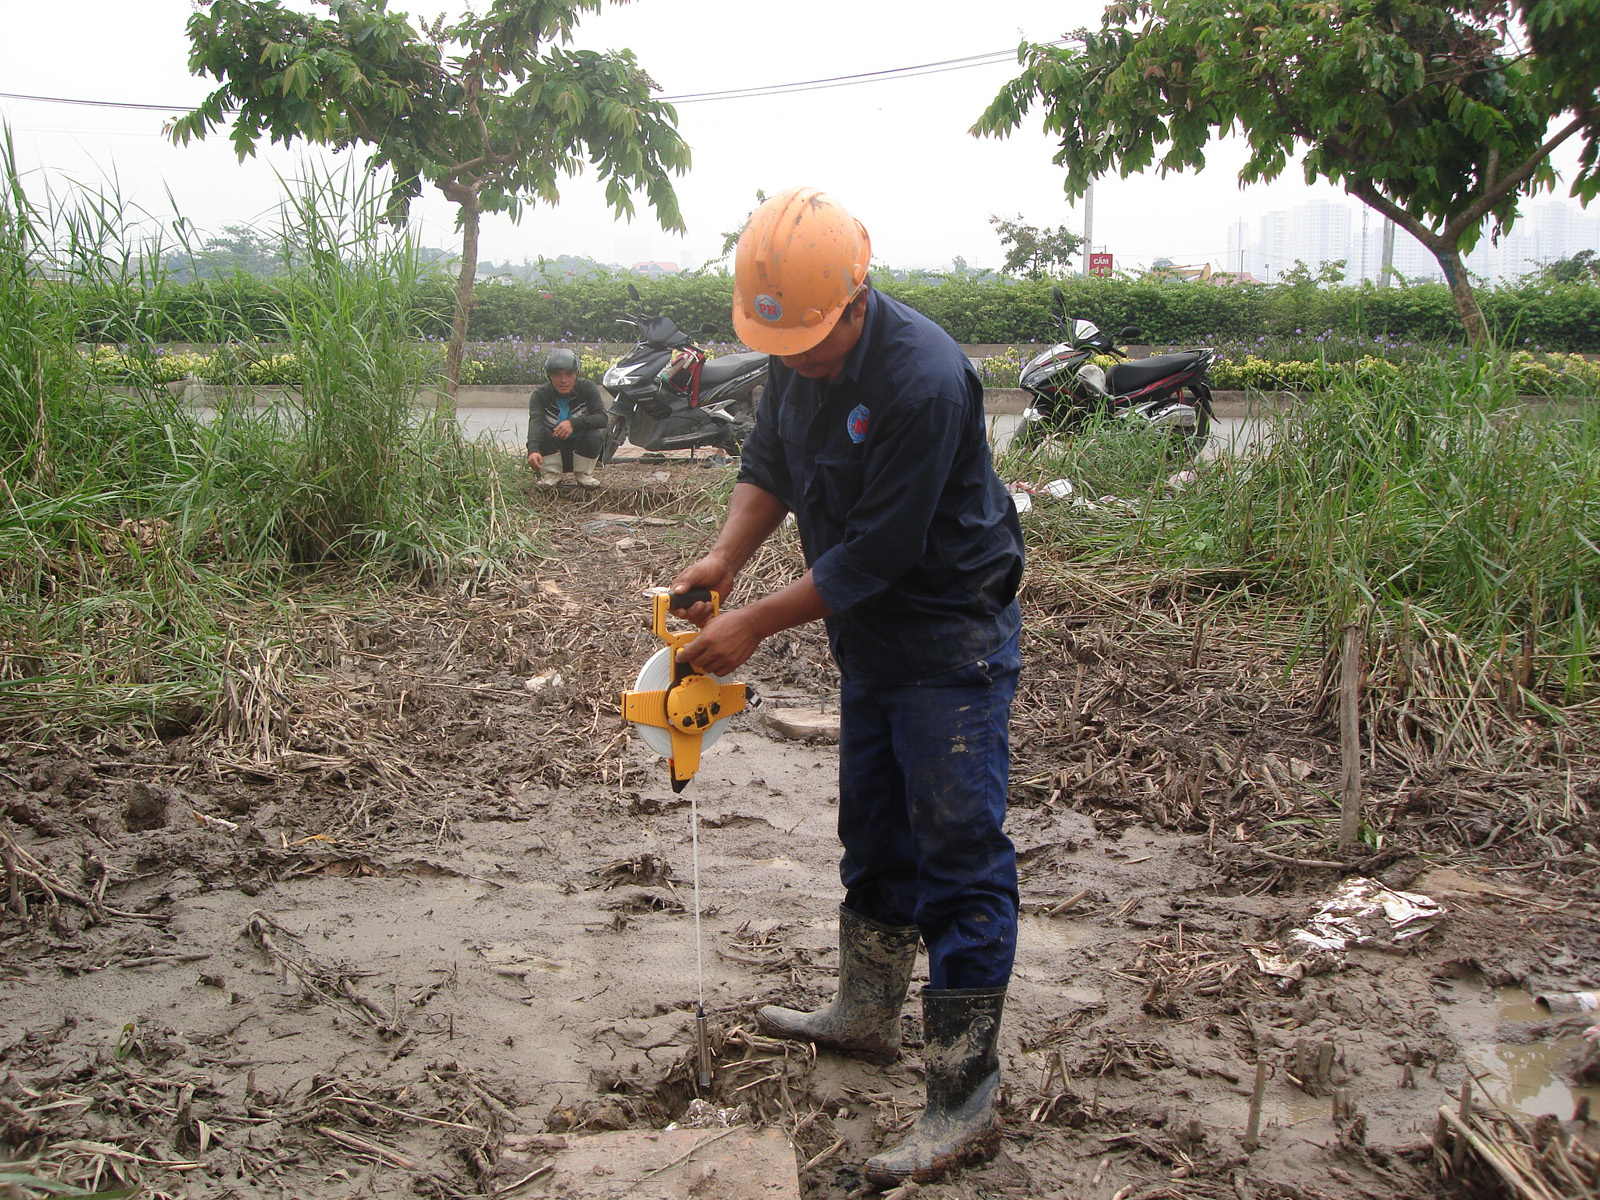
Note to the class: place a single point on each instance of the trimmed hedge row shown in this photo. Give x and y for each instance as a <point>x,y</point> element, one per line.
<point>516,364</point>
<point>502,363</point>
<point>1563,317</point>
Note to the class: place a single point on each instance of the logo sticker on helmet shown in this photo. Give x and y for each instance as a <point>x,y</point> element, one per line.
<point>856,423</point>
<point>768,308</point>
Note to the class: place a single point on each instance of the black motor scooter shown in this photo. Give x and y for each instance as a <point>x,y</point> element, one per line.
<point>667,395</point>
<point>1066,386</point>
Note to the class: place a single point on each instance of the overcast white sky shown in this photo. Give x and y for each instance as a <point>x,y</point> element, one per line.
<point>896,153</point>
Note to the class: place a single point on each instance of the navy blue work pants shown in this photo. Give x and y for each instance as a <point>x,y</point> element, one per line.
<point>923,769</point>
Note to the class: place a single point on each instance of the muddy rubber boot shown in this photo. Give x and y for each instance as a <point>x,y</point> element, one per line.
<point>550,471</point>
<point>863,1018</point>
<point>959,1125</point>
<point>583,471</point>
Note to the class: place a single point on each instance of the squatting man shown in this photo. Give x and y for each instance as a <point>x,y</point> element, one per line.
<point>871,432</point>
<point>566,415</point>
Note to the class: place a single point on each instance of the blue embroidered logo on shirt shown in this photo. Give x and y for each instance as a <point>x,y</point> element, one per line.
<point>856,423</point>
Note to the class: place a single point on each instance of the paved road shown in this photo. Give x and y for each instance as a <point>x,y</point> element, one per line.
<point>510,426</point>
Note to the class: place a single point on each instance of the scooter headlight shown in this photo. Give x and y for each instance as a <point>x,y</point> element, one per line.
<point>619,376</point>
<point>1093,374</point>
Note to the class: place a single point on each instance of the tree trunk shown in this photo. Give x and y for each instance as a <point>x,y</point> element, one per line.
<point>1446,250</point>
<point>456,350</point>
<point>1455,274</point>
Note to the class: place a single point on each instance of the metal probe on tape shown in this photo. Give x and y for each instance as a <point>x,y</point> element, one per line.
<point>679,720</point>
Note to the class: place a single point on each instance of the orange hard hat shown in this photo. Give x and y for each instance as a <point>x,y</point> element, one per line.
<point>800,261</point>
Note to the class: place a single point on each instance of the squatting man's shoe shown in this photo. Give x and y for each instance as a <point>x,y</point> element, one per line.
<point>583,472</point>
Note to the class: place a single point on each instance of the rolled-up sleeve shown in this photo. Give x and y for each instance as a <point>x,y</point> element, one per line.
<point>909,457</point>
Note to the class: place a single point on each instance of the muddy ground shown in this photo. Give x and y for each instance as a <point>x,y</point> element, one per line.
<point>415,906</point>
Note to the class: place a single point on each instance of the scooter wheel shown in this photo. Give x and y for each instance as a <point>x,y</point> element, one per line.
<point>1190,442</point>
<point>1029,435</point>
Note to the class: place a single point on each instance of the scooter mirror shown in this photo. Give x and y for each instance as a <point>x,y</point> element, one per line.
<point>1061,301</point>
<point>1130,333</point>
<point>707,332</point>
<point>634,293</point>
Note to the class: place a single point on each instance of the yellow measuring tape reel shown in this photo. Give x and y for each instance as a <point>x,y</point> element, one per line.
<point>680,711</point>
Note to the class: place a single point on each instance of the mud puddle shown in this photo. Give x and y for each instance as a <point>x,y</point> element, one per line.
<point>1522,1056</point>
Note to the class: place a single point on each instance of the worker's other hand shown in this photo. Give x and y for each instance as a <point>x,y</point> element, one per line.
<point>563,431</point>
<point>723,644</point>
<point>707,573</point>
<point>535,460</point>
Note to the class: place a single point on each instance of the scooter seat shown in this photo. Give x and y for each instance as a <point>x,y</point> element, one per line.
<point>729,366</point>
<point>1128,377</point>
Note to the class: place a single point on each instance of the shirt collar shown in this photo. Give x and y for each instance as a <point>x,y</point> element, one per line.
<point>851,370</point>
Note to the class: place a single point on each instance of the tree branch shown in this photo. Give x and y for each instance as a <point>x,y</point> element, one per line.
<point>1363,190</point>
<point>1497,191</point>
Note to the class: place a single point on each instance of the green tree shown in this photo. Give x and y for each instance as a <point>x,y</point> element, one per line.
<point>237,250</point>
<point>492,110</point>
<point>1582,267</point>
<point>1430,113</point>
<point>1032,252</point>
<point>1330,273</point>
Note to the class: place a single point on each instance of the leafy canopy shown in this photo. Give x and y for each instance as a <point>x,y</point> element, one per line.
<point>493,109</point>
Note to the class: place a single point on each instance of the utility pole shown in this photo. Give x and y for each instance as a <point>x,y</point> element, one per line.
<point>1387,271</point>
<point>1361,275</point>
<point>1088,226</point>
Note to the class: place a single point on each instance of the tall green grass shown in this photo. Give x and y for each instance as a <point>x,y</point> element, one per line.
<point>1433,501</point>
<point>137,532</point>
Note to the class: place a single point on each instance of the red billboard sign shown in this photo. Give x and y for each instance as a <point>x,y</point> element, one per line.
<point>1100,264</point>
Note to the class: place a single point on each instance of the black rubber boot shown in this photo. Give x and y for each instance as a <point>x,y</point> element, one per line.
<point>959,1124</point>
<point>863,1018</point>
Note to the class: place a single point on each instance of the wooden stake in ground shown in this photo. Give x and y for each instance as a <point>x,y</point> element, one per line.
<point>1252,1130</point>
<point>1350,737</point>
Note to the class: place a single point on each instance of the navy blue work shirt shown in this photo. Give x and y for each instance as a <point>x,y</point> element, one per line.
<point>911,538</point>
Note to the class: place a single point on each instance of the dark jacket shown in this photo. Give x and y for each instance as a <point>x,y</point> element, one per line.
<point>912,539</point>
<point>587,411</point>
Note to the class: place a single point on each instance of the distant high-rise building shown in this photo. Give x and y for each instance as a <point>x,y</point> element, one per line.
<point>1318,233</point>
<point>1547,230</point>
<point>1324,231</point>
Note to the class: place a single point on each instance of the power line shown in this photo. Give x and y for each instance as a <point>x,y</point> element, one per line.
<point>807,85</point>
<point>98,103</point>
<point>889,74</point>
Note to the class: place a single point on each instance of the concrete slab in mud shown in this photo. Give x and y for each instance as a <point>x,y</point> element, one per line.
<point>675,1164</point>
<point>802,722</point>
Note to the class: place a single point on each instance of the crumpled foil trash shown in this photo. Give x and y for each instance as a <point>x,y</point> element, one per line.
<point>702,1114</point>
<point>1362,912</point>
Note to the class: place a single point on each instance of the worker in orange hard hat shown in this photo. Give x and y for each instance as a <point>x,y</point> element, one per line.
<point>871,432</point>
<point>800,262</point>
